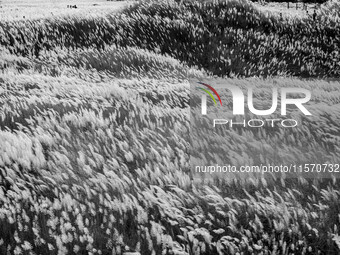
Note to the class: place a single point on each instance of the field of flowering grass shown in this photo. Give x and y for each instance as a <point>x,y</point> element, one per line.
<point>95,133</point>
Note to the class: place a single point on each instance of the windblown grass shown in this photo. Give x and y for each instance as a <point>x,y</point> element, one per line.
<point>94,130</point>
<point>226,38</point>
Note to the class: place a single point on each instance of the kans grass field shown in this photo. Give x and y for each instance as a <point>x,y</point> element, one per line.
<point>94,130</point>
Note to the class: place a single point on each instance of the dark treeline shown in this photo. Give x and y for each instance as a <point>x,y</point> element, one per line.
<point>296,1</point>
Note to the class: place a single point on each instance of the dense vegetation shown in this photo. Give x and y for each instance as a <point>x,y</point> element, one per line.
<point>94,131</point>
<point>225,39</point>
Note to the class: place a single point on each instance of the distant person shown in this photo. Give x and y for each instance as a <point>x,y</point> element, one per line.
<point>281,18</point>
<point>314,15</point>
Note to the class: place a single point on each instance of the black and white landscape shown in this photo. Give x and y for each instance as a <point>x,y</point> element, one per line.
<point>97,138</point>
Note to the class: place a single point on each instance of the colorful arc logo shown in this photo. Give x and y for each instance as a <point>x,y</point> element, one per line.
<point>209,93</point>
<point>204,98</point>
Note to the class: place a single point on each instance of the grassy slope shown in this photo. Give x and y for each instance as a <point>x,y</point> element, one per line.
<point>232,39</point>
<point>94,153</point>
